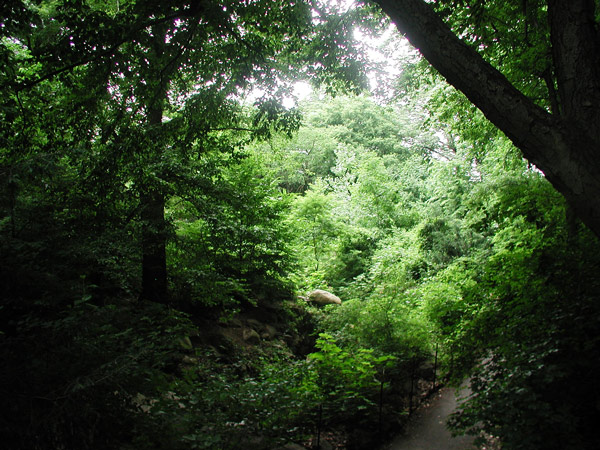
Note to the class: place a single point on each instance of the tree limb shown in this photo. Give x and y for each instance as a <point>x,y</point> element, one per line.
<point>564,150</point>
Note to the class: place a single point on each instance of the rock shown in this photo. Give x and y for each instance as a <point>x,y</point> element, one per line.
<point>322,298</point>
<point>324,445</point>
<point>271,331</point>
<point>143,403</point>
<point>255,442</point>
<point>233,323</point>
<point>250,336</point>
<point>255,324</point>
<point>190,360</point>
<point>292,446</point>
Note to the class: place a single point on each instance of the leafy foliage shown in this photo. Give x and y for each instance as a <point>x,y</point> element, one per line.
<point>84,370</point>
<point>127,153</point>
<point>121,126</point>
<point>488,267</point>
<point>346,381</point>
<point>231,239</point>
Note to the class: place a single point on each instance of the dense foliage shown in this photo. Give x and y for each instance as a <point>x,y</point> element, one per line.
<point>125,189</point>
<point>158,231</point>
<point>468,247</point>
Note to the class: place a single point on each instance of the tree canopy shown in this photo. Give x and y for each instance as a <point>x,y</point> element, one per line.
<point>532,70</point>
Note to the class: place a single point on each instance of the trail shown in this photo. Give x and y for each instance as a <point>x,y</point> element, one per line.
<point>427,428</point>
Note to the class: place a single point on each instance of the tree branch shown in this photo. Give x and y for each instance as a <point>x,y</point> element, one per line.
<point>97,56</point>
<point>564,150</point>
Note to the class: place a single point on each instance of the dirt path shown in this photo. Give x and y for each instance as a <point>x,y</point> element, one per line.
<point>427,428</point>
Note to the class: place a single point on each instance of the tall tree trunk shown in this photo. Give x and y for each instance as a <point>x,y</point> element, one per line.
<point>154,233</point>
<point>152,198</point>
<point>154,259</point>
<point>564,148</point>
<point>576,57</point>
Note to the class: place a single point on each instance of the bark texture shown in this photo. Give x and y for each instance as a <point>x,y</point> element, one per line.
<point>154,232</point>
<point>154,226</point>
<point>154,258</point>
<point>575,51</point>
<point>565,147</point>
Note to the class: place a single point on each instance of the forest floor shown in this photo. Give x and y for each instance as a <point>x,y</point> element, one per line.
<point>427,428</point>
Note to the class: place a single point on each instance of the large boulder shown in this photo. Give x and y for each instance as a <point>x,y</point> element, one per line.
<point>322,298</point>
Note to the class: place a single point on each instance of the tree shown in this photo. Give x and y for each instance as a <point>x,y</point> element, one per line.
<point>231,245</point>
<point>528,306</point>
<point>560,136</point>
<point>316,223</point>
<point>111,113</point>
<point>156,84</point>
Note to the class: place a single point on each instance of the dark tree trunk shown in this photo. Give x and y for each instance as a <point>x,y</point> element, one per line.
<point>154,232</point>
<point>152,198</point>
<point>154,259</point>
<point>564,147</point>
<point>576,57</point>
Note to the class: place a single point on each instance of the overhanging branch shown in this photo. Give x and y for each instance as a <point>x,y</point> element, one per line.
<point>564,150</point>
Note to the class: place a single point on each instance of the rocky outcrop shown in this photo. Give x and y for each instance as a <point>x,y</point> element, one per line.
<point>287,325</point>
<point>321,298</point>
<point>250,336</point>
